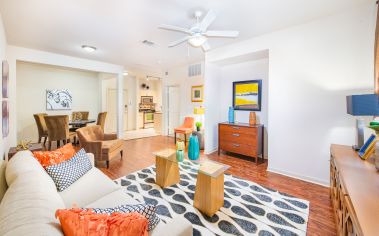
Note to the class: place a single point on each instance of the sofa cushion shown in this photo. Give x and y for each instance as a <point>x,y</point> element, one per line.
<point>113,199</point>
<point>29,200</point>
<point>66,173</point>
<point>3,182</point>
<point>50,229</point>
<point>111,145</point>
<point>90,187</point>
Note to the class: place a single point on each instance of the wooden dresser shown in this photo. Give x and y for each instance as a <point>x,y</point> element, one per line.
<point>354,190</point>
<point>242,139</point>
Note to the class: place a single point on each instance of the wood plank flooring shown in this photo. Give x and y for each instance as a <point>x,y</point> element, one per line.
<point>138,155</point>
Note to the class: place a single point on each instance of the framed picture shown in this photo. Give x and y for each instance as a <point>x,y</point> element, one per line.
<point>5,78</point>
<point>247,95</point>
<point>5,119</point>
<point>197,93</point>
<point>58,99</point>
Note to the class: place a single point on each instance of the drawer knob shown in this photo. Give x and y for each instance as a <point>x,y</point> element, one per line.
<point>236,135</point>
<point>235,127</point>
<point>236,145</point>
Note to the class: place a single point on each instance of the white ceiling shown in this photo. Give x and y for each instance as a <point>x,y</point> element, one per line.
<point>117,27</point>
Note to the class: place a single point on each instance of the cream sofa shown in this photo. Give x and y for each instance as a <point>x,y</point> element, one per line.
<point>29,199</point>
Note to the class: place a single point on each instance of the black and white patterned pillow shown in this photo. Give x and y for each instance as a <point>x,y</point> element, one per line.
<point>146,210</point>
<point>66,173</point>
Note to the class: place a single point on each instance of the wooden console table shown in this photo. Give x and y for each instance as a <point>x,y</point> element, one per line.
<point>354,190</point>
<point>241,138</point>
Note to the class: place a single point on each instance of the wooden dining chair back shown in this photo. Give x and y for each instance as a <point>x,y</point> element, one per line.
<point>57,129</point>
<point>41,126</point>
<point>101,119</point>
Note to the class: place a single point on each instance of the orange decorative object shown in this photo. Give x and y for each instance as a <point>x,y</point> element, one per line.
<point>48,158</point>
<point>79,222</point>
<point>252,118</point>
<point>185,128</point>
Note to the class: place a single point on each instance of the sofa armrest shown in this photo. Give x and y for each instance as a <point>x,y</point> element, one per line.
<point>91,158</point>
<point>110,136</point>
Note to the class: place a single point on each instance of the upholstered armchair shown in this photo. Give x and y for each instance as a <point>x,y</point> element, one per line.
<point>105,147</point>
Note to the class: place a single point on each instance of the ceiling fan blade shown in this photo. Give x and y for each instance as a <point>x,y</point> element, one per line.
<point>207,21</point>
<point>177,42</point>
<point>205,47</point>
<point>223,34</point>
<point>175,28</point>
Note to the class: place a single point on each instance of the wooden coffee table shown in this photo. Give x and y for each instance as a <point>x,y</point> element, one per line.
<point>209,191</point>
<point>167,168</point>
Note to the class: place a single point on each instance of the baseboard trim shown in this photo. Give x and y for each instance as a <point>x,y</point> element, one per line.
<point>300,177</point>
<point>210,152</point>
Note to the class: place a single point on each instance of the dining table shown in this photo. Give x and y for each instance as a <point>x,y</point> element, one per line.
<point>81,123</point>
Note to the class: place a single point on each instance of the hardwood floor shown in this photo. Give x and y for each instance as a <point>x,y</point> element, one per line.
<point>138,155</point>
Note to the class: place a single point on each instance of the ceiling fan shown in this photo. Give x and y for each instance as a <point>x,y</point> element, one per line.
<point>198,33</point>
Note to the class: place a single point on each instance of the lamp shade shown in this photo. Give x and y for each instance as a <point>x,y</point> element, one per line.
<point>363,105</point>
<point>199,110</point>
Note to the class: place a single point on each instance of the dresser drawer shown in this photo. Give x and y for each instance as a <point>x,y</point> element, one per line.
<point>239,148</point>
<point>239,138</point>
<point>238,129</point>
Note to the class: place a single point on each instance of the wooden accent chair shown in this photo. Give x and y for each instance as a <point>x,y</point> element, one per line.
<point>101,119</point>
<point>186,128</point>
<point>41,126</point>
<point>105,147</point>
<point>57,130</point>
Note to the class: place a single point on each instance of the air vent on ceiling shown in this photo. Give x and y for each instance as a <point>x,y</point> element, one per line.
<point>148,43</point>
<point>194,70</point>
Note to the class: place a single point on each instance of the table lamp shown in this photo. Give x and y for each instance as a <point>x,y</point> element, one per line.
<point>362,105</point>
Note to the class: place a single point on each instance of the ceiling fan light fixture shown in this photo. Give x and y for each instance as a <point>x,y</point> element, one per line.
<point>197,41</point>
<point>88,48</point>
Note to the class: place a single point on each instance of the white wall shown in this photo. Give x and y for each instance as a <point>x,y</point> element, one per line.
<point>250,70</point>
<point>178,76</point>
<point>32,82</point>
<point>312,69</point>
<point>4,142</point>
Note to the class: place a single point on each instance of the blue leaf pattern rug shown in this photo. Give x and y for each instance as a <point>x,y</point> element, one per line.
<point>249,208</point>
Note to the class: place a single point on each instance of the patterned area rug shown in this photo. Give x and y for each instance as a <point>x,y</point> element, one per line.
<point>249,208</point>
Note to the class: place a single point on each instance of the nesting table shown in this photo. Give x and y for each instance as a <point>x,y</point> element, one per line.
<point>209,191</point>
<point>167,168</point>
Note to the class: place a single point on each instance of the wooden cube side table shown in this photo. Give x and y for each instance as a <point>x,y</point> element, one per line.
<point>167,168</point>
<point>209,191</point>
<point>32,147</point>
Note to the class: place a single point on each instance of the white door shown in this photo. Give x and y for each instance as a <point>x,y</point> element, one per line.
<point>173,108</point>
<point>111,121</point>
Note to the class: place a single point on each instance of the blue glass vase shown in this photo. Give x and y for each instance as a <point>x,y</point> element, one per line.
<point>231,115</point>
<point>193,147</point>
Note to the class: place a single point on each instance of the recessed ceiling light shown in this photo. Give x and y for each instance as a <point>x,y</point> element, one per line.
<point>126,73</point>
<point>89,48</point>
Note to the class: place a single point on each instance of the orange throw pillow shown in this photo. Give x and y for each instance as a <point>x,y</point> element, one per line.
<point>79,222</point>
<point>48,158</point>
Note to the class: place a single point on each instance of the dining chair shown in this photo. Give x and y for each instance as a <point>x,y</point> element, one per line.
<point>41,126</point>
<point>101,119</point>
<point>79,115</point>
<point>186,128</point>
<point>57,130</point>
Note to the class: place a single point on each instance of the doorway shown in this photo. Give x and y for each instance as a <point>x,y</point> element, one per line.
<point>173,109</point>
<point>111,123</point>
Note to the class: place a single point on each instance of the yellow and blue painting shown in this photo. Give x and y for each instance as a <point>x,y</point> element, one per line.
<point>247,95</point>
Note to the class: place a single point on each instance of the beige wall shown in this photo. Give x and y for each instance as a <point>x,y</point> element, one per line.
<point>32,82</point>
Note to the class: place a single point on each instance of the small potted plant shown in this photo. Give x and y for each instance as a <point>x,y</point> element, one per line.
<point>198,126</point>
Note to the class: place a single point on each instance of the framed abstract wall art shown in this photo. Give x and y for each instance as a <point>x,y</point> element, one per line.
<point>58,99</point>
<point>247,95</point>
<point>5,78</point>
<point>5,118</point>
<point>197,93</point>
